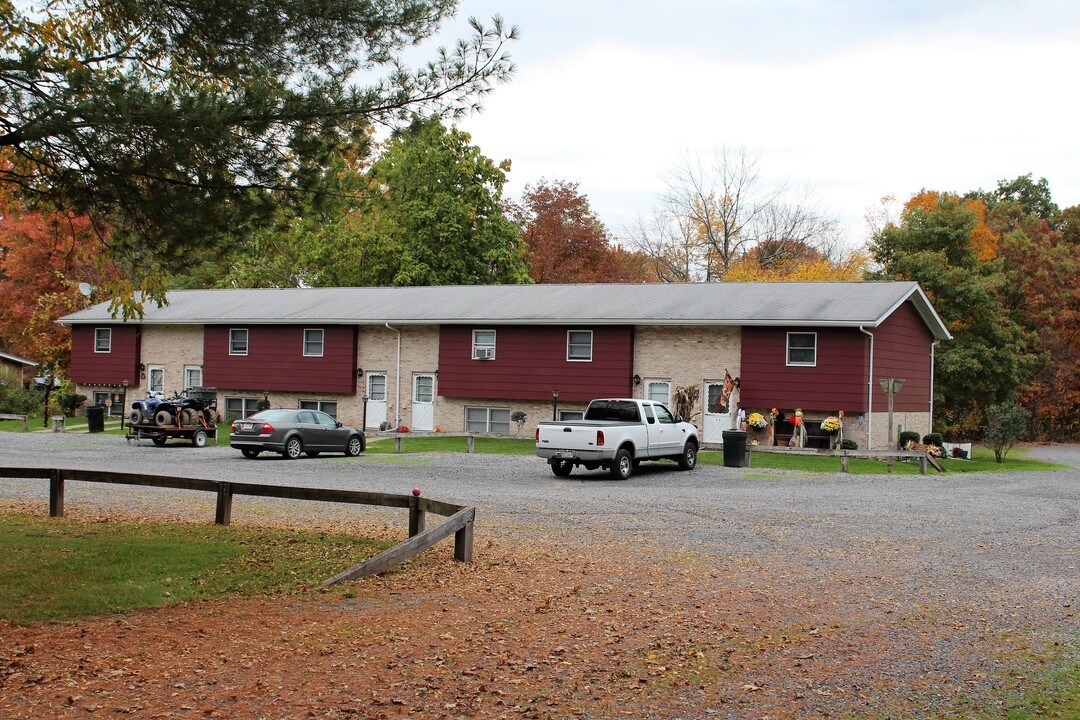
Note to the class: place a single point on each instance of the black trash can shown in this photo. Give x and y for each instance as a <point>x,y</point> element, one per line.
<point>734,447</point>
<point>95,418</point>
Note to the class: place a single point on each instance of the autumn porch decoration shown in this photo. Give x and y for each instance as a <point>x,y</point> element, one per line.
<point>758,431</point>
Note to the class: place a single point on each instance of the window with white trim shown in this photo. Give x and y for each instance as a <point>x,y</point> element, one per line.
<point>313,343</point>
<point>802,348</point>
<point>192,376</point>
<point>483,345</point>
<point>658,391</point>
<point>238,341</point>
<point>485,419</point>
<point>156,378</point>
<point>327,406</point>
<point>240,407</point>
<point>102,340</point>
<point>571,415</point>
<point>579,345</point>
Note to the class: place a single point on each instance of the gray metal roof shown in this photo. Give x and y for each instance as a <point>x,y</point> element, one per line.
<point>835,304</point>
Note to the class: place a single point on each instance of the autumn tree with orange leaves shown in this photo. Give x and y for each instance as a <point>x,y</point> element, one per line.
<point>1003,275</point>
<point>567,242</point>
<point>43,258</point>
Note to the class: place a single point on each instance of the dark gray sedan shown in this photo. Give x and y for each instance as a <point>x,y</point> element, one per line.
<point>292,432</point>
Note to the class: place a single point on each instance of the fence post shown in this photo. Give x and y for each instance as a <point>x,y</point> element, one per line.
<point>417,517</point>
<point>463,543</point>
<point>397,445</point>
<point>844,462</point>
<point>922,464</point>
<point>56,493</point>
<point>471,443</point>
<point>223,514</point>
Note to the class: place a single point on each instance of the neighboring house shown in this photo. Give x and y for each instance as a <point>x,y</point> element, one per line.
<point>467,358</point>
<point>19,364</point>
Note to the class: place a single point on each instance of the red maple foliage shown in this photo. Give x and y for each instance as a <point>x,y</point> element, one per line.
<point>43,259</point>
<point>567,242</point>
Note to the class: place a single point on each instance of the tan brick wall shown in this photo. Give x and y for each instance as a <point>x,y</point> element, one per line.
<point>377,352</point>
<point>918,422</point>
<point>686,355</point>
<point>172,346</point>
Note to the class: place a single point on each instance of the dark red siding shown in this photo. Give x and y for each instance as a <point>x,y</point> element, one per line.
<point>838,382</point>
<point>531,361</point>
<point>275,360</point>
<point>902,350</point>
<point>112,368</point>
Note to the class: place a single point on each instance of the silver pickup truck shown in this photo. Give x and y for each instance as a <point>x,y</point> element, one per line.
<point>617,435</point>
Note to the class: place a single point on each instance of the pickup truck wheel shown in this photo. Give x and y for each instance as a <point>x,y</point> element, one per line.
<point>562,468</point>
<point>688,459</point>
<point>622,466</point>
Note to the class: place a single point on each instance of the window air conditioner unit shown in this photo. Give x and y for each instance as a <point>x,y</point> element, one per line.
<point>485,353</point>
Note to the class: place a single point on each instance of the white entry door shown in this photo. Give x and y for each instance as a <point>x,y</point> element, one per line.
<point>715,418</point>
<point>376,404</point>
<point>423,406</point>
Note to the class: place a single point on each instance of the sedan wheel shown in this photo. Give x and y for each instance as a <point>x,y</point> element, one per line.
<point>250,453</point>
<point>293,448</point>
<point>355,446</point>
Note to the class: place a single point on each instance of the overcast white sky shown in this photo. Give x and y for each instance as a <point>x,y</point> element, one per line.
<point>859,98</point>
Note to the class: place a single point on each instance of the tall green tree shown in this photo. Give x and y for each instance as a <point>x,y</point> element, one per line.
<point>178,123</point>
<point>433,215</point>
<point>937,243</point>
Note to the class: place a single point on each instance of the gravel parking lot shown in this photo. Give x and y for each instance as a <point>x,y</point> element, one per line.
<point>918,580</point>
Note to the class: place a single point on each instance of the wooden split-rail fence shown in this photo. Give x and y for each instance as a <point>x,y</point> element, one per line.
<point>458,522</point>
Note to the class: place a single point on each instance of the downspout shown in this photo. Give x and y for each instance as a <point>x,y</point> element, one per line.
<point>869,390</point>
<point>933,347</point>
<point>397,380</point>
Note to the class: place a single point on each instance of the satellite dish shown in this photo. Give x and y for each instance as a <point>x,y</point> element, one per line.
<point>86,288</point>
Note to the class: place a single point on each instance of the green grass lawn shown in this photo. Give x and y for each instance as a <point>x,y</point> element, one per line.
<point>486,445</point>
<point>982,461</point>
<point>59,568</point>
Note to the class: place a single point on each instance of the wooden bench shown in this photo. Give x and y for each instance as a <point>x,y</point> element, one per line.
<point>890,456</point>
<point>9,416</point>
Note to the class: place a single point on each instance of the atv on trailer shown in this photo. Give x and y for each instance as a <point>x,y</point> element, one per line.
<point>192,416</point>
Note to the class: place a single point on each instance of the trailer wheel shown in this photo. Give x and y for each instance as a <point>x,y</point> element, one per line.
<point>562,468</point>
<point>623,465</point>
<point>159,440</point>
<point>199,438</point>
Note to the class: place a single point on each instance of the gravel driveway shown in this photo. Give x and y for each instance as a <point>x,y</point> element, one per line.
<point>817,593</point>
<point>967,532</point>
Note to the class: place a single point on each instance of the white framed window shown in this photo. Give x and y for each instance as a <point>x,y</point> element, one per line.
<point>483,345</point>
<point>802,348</point>
<point>155,378</point>
<point>102,340</point>
<point>240,407</point>
<point>327,406</point>
<point>658,391</point>
<point>192,376</point>
<point>487,419</point>
<point>579,345</point>
<point>313,343</point>
<point>376,386</point>
<point>238,341</point>
<point>424,389</point>
<point>571,415</point>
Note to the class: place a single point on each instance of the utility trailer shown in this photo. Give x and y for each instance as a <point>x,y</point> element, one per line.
<point>192,416</point>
